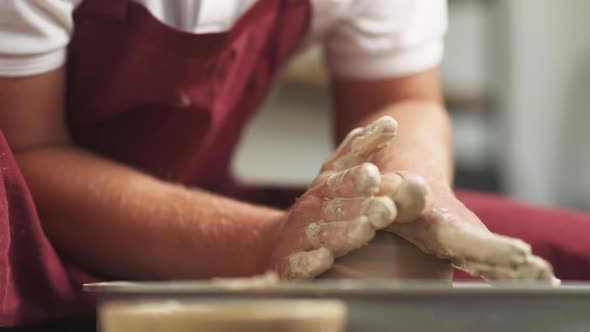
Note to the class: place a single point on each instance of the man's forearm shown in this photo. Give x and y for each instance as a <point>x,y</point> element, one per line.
<point>120,222</point>
<point>423,141</point>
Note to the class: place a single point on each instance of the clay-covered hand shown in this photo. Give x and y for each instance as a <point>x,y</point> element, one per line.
<point>429,215</point>
<point>340,212</point>
<point>361,144</point>
<point>447,229</point>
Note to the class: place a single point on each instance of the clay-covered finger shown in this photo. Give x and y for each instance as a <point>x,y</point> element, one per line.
<point>389,184</point>
<point>347,140</point>
<point>379,210</point>
<point>499,258</point>
<point>374,136</point>
<point>475,249</point>
<point>481,246</point>
<point>340,237</point>
<point>359,145</point>
<point>411,198</point>
<point>307,264</point>
<point>361,180</point>
<point>532,269</point>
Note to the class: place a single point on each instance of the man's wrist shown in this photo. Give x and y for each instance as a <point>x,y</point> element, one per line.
<point>270,238</point>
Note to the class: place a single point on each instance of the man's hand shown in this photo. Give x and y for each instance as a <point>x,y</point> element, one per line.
<point>447,229</point>
<point>339,212</point>
<point>429,215</point>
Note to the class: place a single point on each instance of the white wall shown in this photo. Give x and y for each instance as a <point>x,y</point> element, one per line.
<point>545,86</point>
<point>287,141</point>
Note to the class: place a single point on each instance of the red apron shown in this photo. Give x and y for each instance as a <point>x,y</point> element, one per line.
<point>173,104</point>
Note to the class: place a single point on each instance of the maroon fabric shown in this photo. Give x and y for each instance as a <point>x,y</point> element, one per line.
<point>167,102</point>
<point>171,103</point>
<point>34,283</point>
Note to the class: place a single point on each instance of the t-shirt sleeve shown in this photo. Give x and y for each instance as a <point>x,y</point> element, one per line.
<point>33,35</point>
<point>377,39</point>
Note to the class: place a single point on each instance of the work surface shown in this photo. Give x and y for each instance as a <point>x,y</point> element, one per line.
<point>378,305</point>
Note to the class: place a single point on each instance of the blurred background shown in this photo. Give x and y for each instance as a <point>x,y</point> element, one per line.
<point>516,77</point>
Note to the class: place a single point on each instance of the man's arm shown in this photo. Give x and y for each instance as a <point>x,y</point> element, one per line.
<point>445,227</point>
<point>423,143</point>
<point>114,219</point>
<point>118,221</point>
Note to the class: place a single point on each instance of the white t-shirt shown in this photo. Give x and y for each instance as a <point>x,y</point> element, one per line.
<point>363,38</point>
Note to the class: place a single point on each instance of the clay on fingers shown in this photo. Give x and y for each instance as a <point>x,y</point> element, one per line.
<point>379,210</point>
<point>533,268</point>
<point>361,180</point>
<point>489,255</point>
<point>346,141</point>
<point>307,264</point>
<point>411,198</point>
<point>410,193</point>
<point>340,237</point>
<point>483,246</point>
<point>361,143</point>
